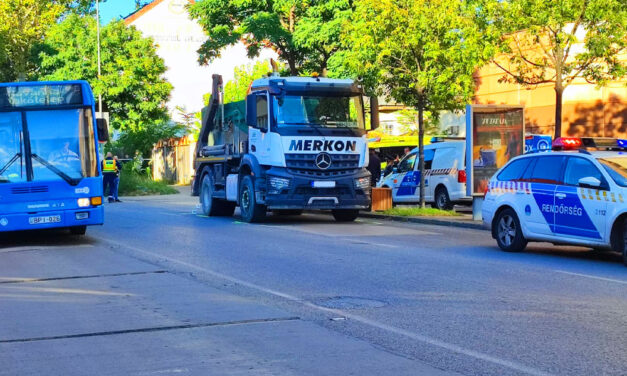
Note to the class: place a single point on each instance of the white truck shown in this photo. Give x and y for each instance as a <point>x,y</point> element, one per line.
<point>295,143</point>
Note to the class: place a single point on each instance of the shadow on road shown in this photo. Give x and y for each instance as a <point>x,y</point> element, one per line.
<point>41,238</point>
<point>575,253</point>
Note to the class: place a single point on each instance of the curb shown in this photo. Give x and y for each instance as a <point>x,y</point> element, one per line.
<point>475,225</point>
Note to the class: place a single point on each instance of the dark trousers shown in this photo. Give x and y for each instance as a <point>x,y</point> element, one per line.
<point>108,181</point>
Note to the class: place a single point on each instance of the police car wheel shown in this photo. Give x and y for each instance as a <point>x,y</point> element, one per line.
<point>442,200</point>
<point>249,209</point>
<point>345,215</point>
<point>509,235</point>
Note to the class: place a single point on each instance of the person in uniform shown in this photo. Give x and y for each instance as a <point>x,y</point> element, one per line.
<point>109,173</point>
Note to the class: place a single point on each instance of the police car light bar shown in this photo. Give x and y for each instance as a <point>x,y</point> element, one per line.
<point>567,143</point>
<point>598,143</point>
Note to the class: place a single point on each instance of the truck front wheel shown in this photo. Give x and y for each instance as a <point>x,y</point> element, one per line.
<point>211,206</point>
<point>251,211</point>
<point>345,215</point>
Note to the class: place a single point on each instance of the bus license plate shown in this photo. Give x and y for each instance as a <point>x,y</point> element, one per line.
<point>323,184</point>
<point>47,219</point>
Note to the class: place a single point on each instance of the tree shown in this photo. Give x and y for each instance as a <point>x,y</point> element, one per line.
<point>262,23</point>
<point>423,53</point>
<point>23,24</point>
<point>305,34</point>
<point>236,89</point>
<point>319,31</point>
<point>132,82</point>
<point>558,41</point>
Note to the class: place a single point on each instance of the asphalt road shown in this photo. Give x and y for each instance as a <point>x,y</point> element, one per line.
<point>162,290</point>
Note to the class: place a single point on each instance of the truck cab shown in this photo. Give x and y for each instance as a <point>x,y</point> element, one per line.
<point>295,143</point>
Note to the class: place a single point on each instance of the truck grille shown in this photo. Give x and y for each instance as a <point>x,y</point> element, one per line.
<point>309,191</point>
<point>305,164</point>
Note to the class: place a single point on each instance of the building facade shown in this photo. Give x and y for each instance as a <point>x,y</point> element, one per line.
<point>587,110</point>
<point>178,39</point>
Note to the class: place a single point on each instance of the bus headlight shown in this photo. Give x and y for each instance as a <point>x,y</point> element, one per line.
<point>363,183</point>
<point>277,184</point>
<point>83,202</point>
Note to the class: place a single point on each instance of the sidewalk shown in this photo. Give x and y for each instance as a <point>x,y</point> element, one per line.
<point>464,220</point>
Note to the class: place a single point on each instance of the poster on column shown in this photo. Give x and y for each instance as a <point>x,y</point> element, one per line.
<point>497,134</point>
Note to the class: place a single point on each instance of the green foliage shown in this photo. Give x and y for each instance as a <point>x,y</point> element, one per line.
<point>318,33</point>
<point>259,24</point>
<point>558,41</point>
<point>236,89</point>
<point>132,83</point>
<point>422,53</point>
<point>144,139</point>
<point>23,24</point>
<point>305,34</point>
<point>134,184</point>
<point>408,119</point>
<point>413,211</point>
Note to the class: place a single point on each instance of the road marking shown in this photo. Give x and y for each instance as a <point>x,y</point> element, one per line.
<point>27,280</point>
<point>337,312</point>
<point>593,277</point>
<point>153,329</point>
<point>42,247</point>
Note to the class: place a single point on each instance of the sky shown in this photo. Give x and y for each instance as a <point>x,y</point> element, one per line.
<point>112,9</point>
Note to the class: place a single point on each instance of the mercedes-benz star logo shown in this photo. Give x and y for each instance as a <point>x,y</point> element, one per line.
<point>323,161</point>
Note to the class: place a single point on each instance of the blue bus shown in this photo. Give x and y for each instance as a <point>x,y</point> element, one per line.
<point>50,175</point>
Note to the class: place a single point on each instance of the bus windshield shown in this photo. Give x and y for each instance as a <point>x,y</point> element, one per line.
<point>61,143</point>
<point>322,111</point>
<point>12,166</point>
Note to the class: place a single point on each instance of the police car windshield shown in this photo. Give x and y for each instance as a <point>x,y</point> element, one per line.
<point>617,168</point>
<point>319,111</point>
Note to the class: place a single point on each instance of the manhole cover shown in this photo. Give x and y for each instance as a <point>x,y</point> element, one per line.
<point>350,302</point>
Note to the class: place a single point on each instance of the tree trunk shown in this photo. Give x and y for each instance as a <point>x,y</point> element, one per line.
<point>421,154</point>
<point>558,111</point>
<point>374,112</point>
<point>291,61</point>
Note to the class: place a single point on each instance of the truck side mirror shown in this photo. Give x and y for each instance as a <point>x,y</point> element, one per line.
<point>103,130</point>
<point>251,110</point>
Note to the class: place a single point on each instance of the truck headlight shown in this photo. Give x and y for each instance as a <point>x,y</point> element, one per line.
<point>363,183</point>
<point>277,184</point>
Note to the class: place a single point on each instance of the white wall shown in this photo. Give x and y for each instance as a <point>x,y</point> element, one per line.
<point>178,39</point>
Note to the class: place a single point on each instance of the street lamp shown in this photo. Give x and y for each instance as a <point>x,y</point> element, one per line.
<point>98,43</point>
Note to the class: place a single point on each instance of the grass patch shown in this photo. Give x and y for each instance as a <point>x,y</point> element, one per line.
<point>133,184</point>
<point>412,211</point>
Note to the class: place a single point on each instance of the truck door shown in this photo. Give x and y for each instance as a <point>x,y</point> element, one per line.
<point>259,135</point>
<point>580,211</point>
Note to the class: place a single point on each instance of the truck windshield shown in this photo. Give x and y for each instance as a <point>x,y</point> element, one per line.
<point>322,111</point>
<point>617,168</point>
<point>62,146</point>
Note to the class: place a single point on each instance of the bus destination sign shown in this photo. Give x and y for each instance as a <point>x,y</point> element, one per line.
<point>50,95</point>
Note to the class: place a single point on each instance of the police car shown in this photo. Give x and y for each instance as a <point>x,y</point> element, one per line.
<point>445,176</point>
<point>575,194</point>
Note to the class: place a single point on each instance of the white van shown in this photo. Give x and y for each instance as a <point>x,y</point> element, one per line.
<point>445,176</point>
